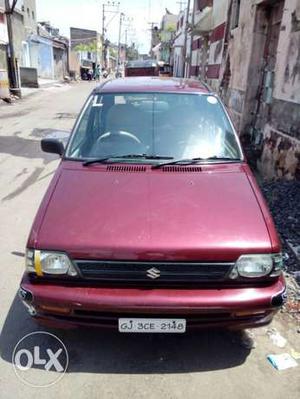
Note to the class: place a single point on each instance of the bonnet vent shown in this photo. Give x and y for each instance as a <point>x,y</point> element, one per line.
<point>187,169</point>
<point>125,168</point>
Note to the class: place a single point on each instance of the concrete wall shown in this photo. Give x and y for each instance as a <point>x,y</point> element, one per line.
<point>3,59</point>
<point>245,40</point>
<point>41,54</point>
<point>220,11</point>
<point>287,81</point>
<point>29,77</point>
<point>273,125</point>
<point>280,155</point>
<point>74,63</point>
<point>4,85</point>
<point>60,63</point>
<point>19,35</point>
<point>3,28</point>
<point>216,47</point>
<point>246,46</point>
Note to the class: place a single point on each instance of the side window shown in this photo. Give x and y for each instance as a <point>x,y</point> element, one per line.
<point>81,131</point>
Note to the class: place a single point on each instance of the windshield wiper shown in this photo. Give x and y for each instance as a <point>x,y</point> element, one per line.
<point>193,161</point>
<point>124,157</point>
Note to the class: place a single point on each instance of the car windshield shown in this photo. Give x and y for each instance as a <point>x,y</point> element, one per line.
<point>177,126</point>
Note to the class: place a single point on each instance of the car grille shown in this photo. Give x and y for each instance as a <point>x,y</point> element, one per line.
<point>153,272</point>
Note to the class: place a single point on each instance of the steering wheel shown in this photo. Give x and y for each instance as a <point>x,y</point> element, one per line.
<point>120,142</point>
<point>118,135</point>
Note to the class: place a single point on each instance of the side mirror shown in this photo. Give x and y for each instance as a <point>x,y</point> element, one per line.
<point>55,142</point>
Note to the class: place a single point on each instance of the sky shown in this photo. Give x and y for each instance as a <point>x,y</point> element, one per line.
<point>87,14</point>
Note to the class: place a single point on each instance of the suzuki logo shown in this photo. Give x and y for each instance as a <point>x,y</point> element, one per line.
<point>153,273</point>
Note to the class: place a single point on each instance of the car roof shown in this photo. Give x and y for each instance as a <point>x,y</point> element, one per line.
<point>152,84</point>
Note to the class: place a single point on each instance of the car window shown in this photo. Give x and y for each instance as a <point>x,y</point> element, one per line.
<point>156,124</point>
<point>81,130</point>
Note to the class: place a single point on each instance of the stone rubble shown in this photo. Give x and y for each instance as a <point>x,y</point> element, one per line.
<point>283,198</point>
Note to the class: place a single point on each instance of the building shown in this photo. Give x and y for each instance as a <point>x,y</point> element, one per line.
<point>30,28</point>
<point>155,40</point>
<point>53,52</point>
<point>163,51</point>
<point>87,45</point>
<point>40,51</point>
<point>23,26</point>
<point>249,52</point>
<point>179,45</point>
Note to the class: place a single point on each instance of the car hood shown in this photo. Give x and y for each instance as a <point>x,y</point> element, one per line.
<point>135,213</point>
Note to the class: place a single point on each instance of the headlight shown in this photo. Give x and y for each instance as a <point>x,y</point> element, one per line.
<point>49,262</point>
<point>254,266</point>
<point>29,261</point>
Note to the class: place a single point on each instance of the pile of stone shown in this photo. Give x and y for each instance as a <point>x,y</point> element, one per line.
<point>283,198</point>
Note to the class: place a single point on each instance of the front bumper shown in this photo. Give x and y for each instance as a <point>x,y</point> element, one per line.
<point>70,306</point>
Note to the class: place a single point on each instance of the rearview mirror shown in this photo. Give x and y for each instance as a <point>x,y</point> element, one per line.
<point>55,142</point>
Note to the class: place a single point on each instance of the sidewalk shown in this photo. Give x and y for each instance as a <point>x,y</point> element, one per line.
<point>43,84</point>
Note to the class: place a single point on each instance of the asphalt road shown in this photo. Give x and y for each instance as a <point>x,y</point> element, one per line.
<point>206,364</point>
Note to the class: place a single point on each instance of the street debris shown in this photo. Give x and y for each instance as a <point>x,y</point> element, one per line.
<point>10,99</point>
<point>283,198</point>
<point>282,362</point>
<point>292,305</point>
<point>295,354</point>
<point>276,338</point>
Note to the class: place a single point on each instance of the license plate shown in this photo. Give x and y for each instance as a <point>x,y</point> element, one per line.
<point>152,325</point>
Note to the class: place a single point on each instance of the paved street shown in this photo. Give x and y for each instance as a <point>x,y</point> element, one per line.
<point>207,364</point>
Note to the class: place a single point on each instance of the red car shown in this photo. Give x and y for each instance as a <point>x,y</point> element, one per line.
<point>153,221</point>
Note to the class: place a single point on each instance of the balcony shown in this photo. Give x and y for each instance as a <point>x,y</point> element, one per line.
<point>204,20</point>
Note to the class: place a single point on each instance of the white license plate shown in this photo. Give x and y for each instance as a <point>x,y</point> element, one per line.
<point>152,325</point>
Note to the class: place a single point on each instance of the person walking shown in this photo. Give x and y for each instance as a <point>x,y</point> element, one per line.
<point>97,73</point>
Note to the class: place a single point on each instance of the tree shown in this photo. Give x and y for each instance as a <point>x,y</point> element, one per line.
<point>132,53</point>
<point>90,47</point>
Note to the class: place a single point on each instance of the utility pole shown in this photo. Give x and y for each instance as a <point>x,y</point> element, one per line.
<point>185,38</point>
<point>192,39</point>
<point>126,33</point>
<point>181,4</point>
<point>119,43</point>
<point>14,81</point>
<point>127,30</point>
<point>103,37</point>
<point>111,7</point>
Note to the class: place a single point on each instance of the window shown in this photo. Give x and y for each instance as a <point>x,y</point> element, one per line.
<point>33,16</point>
<point>28,13</point>
<point>156,124</point>
<point>82,127</point>
<point>235,14</point>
